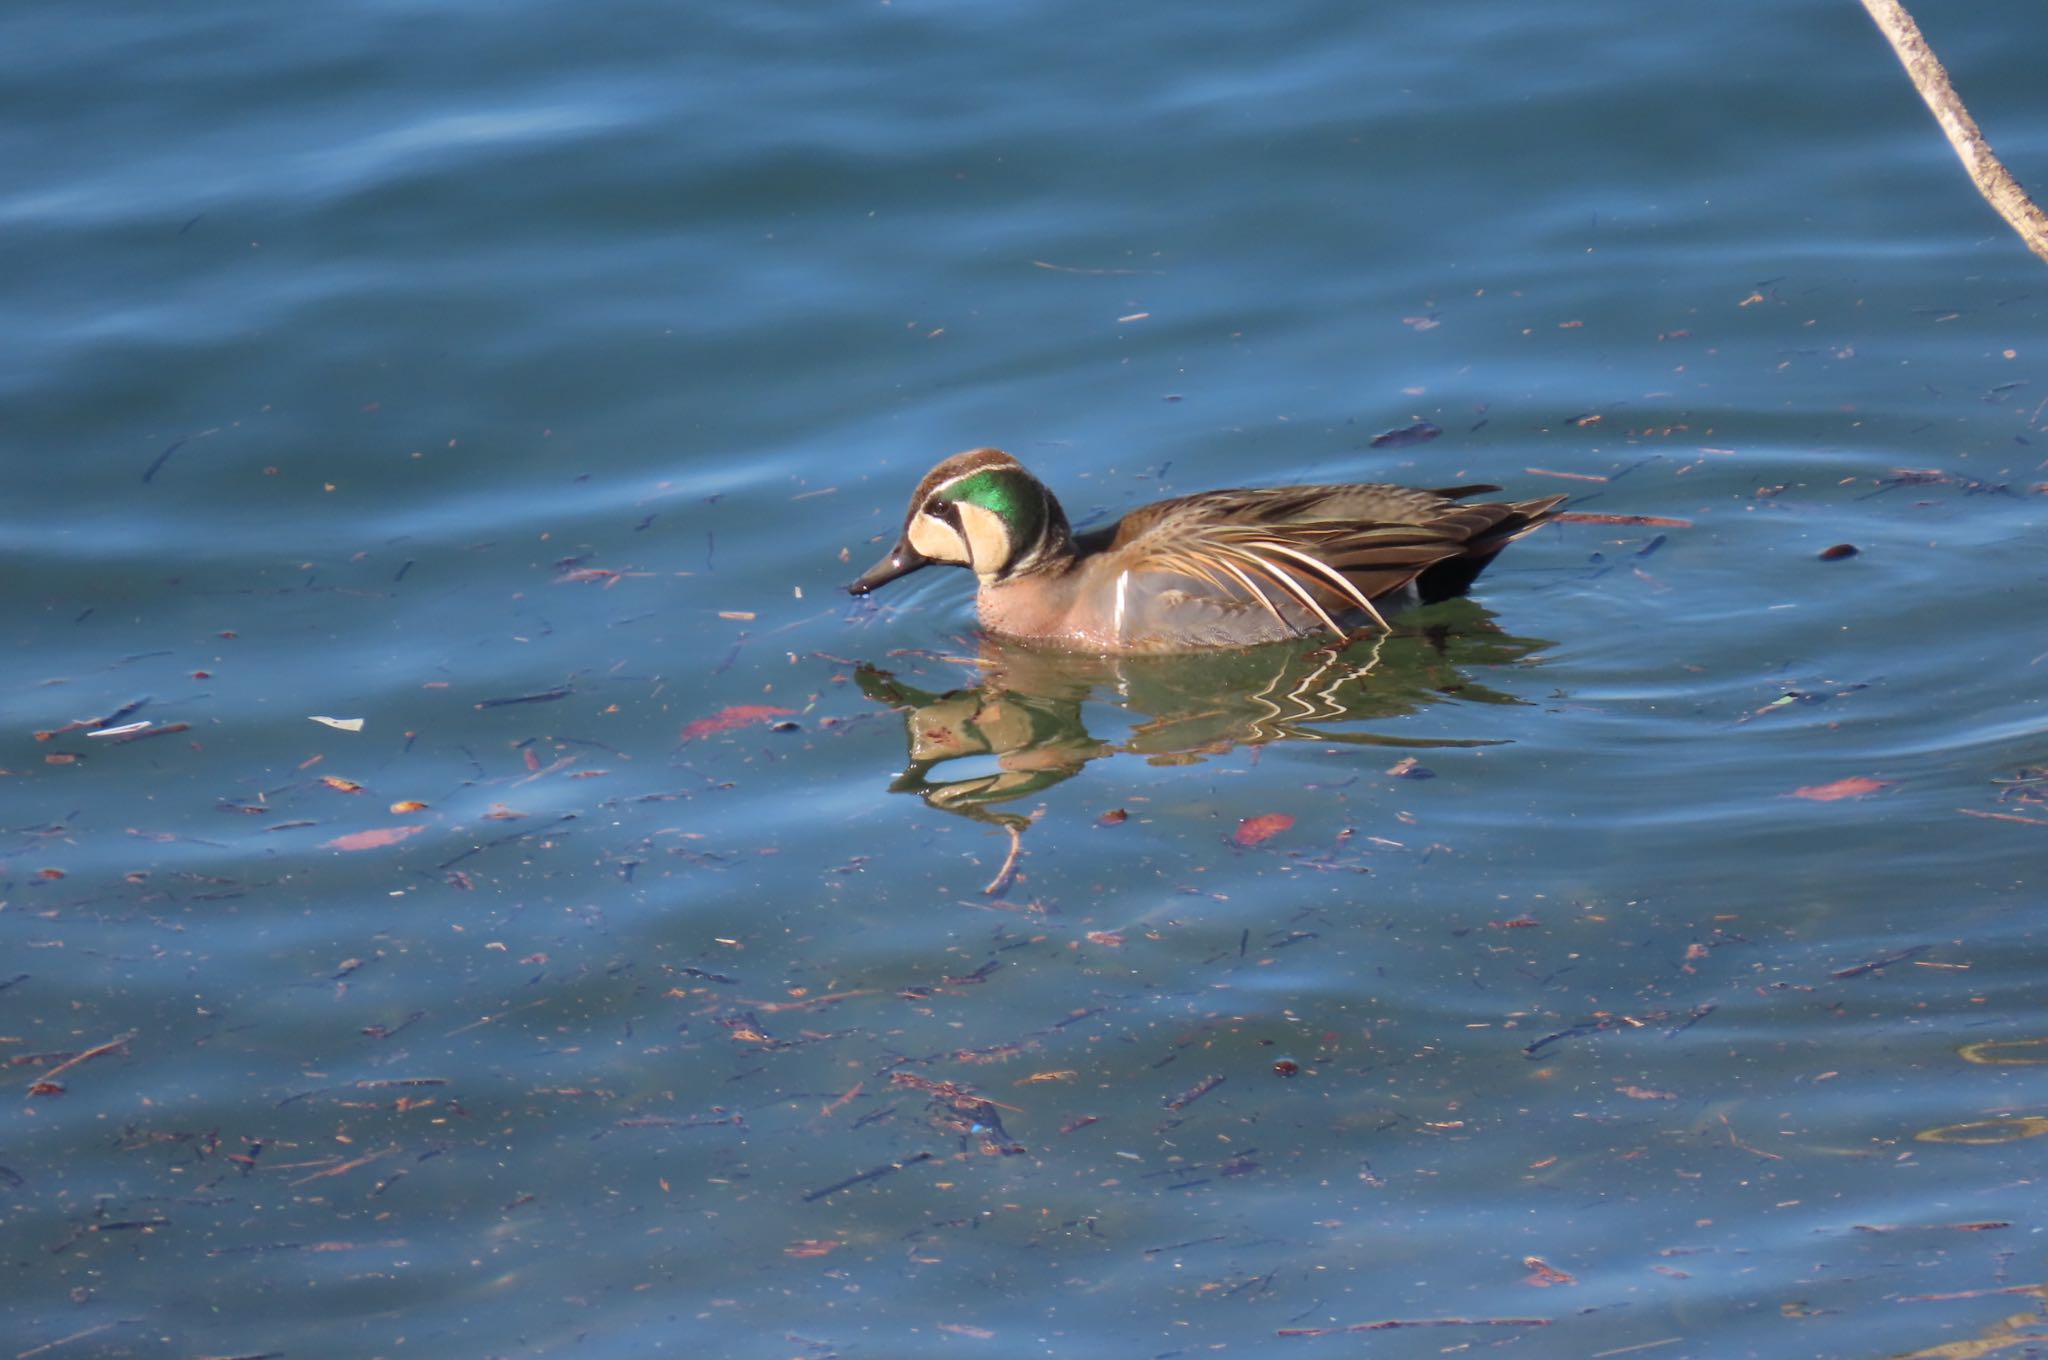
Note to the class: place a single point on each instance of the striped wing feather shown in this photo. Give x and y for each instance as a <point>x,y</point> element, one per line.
<point>1323,549</point>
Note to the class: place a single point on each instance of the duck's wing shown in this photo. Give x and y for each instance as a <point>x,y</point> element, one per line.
<point>1322,568</point>
<point>1320,561</point>
<point>1488,528</point>
<point>1362,503</point>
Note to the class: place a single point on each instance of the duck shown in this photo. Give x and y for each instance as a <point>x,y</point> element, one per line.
<point>1230,568</point>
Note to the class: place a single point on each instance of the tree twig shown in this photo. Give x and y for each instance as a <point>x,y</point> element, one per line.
<point>1992,179</point>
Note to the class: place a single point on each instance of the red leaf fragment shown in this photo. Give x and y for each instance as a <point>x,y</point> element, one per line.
<point>1856,786</point>
<point>374,839</point>
<point>728,718</point>
<point>1265,826</point>
<point>812,1246</point>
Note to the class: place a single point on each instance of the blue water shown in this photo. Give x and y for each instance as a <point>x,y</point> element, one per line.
<point>391,362</point>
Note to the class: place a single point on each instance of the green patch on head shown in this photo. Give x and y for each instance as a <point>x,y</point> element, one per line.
<point>1007,493</point>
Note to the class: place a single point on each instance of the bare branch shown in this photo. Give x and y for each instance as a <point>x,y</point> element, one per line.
<point>1992,179</point>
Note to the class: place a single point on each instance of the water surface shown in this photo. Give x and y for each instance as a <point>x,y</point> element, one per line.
<point>1571,971</point>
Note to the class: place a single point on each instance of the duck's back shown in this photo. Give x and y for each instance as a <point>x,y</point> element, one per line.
<point>1244,566</point>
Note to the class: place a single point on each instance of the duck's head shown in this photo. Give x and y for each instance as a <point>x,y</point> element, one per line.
<point>978,509</point>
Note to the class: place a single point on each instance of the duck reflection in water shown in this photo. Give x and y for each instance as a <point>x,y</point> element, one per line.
<point>1020,728</point>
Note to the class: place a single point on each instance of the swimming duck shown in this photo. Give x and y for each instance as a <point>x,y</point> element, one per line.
<point>1215,569</point>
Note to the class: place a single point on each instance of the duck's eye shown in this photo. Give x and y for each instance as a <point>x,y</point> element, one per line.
<point>944,511</point>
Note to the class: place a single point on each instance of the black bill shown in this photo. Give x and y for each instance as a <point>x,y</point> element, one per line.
<point>901,561</point>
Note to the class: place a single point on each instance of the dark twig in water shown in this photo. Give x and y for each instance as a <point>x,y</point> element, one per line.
<point>1699,1013</point>
<point>545,696</point>
<point>812,1197</point>
<point>1876,964</point>
<point>1183,1246</point>
<point>1590,1027</point>
<point>1389,1324</point>
<point>126,710</point>
<point>161,459</point>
